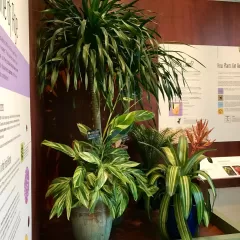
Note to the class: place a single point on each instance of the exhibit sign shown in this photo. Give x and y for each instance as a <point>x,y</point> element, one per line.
<point>15,124</point>
<point>222,167</point>
<point>211,91</point>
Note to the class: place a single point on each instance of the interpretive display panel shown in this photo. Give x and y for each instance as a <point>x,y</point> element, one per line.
<point>15,124</point>
<point>222,167</point>
<point>211,91</point>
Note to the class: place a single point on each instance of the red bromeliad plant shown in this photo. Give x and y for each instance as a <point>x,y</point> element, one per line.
<point>198,136</point>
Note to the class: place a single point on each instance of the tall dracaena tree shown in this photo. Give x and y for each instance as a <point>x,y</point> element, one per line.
<point>106,45</point>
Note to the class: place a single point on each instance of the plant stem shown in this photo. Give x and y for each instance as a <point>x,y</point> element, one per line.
<point>96,111</point>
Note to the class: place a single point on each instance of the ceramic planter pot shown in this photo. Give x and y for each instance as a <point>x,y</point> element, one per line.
<point>96,226</point>
<point>172,224</point>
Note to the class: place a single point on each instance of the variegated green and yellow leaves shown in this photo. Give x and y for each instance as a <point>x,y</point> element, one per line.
<point>182,150</point>
<point>60,147</point>
<point>172,179</point>
<point>179,215</point>
<point>60,189</point>
<point>163,215</point>
<point>185,194</point>
<point>121,125</point>
<point>181,221</point>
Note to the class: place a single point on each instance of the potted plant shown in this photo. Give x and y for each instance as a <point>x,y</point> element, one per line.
<point>183,206</point>
<point>105,46</point>
<point>104,177</point>
<point>148,155</point>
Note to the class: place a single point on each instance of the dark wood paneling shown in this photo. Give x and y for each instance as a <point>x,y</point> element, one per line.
<point>36,121</point>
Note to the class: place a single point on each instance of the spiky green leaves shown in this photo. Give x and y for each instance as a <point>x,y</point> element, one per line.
<point>111,44</point>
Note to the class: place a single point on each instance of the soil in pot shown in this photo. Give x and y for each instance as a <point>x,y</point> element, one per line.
<point>96,226</point>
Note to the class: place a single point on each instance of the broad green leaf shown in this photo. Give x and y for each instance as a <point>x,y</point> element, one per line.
<point>154,177</point>
<point>163,215</point>
<point>58,186</point>
<point>123,202</point>
<point>182,150</point>
<point>206,218</point>
<point>68,203</point>
<point>62,50</point>
<point>58,206</point>
<point>90,157</point>
<point>210,182</point>
<point>107,189</point>
<point>78,176</point>
<point>185,194</point>
<point>101,178</point>
<point>199,200</point>
<point>83,129</point>
<point>159,168</point>
<point>118,174</point>
<point>86,54</point>
<point>194,160</point>
<point>104,197</point>
<point>82,194</point>
<point>91,178</point>
<point>174,153</point>
<point>170,156</point>
<point>181,222</point>
<point>54,77</point>
<point>124,120</point>
<point>133,189</point>
<point>77,147</point>
<point>60,147</point>
<point>172,179</point>
<point>94,198</point>
<point>128,164</point>
<point>142,115</point>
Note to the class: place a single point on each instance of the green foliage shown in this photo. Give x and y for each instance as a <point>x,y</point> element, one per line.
<point>103,173</point>
<point>146,138</point>
<point>106,44</point>
<point>178,173</point>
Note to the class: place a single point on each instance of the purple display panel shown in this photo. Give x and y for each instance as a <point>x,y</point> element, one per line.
<point>14,69</point>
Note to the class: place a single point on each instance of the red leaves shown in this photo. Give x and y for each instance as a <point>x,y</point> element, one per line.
<point>198,136</point>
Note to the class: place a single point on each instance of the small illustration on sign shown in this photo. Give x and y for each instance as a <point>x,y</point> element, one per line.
<point>93,134</point>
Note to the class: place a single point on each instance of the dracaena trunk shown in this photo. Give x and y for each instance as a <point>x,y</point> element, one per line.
<point>96,111</point>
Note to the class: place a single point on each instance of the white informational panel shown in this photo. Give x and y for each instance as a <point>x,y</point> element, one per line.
<point>222,167</point>
<point>212,92</point>
<point>15,125</point>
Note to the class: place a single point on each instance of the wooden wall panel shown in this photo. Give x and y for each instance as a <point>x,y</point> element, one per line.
<point>36,121</point>
<point>199,22</point>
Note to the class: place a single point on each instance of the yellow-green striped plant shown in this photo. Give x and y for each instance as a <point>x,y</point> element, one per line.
<point>104,172</point>
<point>179,173</point>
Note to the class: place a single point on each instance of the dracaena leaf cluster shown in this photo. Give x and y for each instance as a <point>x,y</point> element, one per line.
<point>198,136</point>
<point>103,173</point>
<point>179,173</point>
<point>106,45</point>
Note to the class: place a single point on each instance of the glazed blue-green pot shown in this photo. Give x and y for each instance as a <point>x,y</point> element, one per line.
<point>96,226</point>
